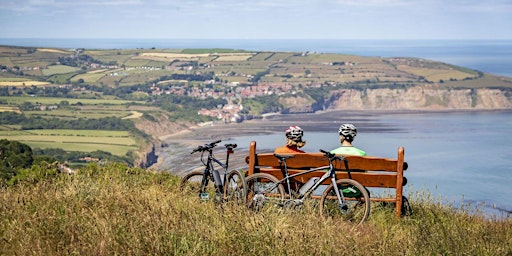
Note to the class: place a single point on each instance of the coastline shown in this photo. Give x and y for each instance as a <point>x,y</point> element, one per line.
<point>180,144</point>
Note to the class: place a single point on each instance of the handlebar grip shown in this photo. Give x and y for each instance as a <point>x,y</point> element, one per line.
<point>327,153</point>
<point>196,149</point>
<point>215,142</point>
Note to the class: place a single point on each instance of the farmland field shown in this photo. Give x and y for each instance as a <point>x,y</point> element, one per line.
<point>116,142</point>
<point>51,100</point>
<point>234,57</point>
<point>9,109</point>
<point>436,74</point>
<point>59,69</point>
<point>23,83</point>
<point>88,77</point>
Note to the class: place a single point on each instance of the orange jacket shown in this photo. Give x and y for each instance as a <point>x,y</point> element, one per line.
<point>287,150</point>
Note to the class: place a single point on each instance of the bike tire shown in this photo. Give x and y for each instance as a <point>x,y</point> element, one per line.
<point>193,183</point>
<point>235,188</point>
<point>259,192</point>
<point>358,207</point>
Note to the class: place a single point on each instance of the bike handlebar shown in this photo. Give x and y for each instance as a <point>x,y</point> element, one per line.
<point>206,147</point>
<point>332,156</point>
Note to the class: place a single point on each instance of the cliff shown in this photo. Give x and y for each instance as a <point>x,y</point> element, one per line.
<point>419,98</point>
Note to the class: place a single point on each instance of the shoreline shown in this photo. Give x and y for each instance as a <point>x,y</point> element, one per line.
<point>179,144</point>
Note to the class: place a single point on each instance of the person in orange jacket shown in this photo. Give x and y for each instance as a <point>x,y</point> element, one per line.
<point>293,141</point>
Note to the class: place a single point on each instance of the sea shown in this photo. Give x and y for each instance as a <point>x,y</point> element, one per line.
<point>463,158</point>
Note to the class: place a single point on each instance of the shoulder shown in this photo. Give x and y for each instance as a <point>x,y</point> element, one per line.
<point>285,149</point>
<point>348,151</point>
<point>337,150</point>
<point>282,149</point>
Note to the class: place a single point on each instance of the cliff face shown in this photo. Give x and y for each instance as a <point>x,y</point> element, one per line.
<point>419,98</point>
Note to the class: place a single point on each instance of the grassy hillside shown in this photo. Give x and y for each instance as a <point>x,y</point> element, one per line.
<point>115,210</point>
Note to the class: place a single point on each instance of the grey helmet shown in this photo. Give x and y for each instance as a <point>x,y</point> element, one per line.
<point>294,133</point>
<point>349,131</point>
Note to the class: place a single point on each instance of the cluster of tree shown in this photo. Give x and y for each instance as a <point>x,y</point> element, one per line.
<point>17,161</point>
<point>185,107</point>
<point>266,104</point>
<point>37,122</point>
<point>78,61</point>
<point>191,77</point>
<point>259,75</point>
<point>187,101</point>
<point>13,156</point>
<point>79,157</point>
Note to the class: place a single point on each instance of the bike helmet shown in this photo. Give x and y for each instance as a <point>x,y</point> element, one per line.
<point>294,133</point>
<point>349,131</point>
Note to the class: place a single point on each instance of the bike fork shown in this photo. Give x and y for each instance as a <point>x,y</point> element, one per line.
<point>203,194</point>
<point>341,199</point>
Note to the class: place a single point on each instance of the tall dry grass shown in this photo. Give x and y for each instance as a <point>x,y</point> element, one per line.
<point>116,210</point>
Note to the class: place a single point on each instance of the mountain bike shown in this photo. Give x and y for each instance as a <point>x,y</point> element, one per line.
<point>208,183</point>
<point>345,198</point>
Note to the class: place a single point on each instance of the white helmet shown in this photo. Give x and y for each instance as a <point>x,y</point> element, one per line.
<point>294,133</point>
<point>349,131</point>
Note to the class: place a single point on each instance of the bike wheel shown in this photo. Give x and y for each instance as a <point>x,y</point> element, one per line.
<point>357,202</point>
<point>192,183</point>
<point>235,189</point>
<point>262,188</point>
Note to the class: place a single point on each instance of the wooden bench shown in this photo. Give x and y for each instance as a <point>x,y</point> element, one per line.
<point>371,172</point>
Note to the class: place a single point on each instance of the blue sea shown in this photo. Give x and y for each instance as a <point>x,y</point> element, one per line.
<point>464,157</point>
<point>490,56</point>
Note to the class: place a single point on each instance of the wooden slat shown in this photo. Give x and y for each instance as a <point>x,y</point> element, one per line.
<point>367,179</point>
<point>313,160</point>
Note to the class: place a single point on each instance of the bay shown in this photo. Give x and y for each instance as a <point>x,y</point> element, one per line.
<point>458,157</point>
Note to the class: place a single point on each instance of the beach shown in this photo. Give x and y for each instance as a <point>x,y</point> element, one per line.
<point>175,155</point>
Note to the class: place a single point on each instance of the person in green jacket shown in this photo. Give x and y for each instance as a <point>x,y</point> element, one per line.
<point>347,133</point>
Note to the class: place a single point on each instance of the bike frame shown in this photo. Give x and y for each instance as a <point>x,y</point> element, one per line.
<point>331,173</point>
<point>210,171</point>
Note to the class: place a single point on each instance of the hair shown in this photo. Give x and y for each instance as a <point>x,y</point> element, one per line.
<point>347,138</point>
<point>292,143</point>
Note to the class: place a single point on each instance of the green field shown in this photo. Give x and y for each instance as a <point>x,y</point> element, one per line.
<point>58,69</point>
<point>116,142</point>
<point>18,100</point>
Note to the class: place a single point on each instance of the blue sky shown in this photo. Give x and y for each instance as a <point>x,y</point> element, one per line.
<point>257,19</point>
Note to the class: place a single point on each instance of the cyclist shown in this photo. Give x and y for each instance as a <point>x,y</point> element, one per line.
<point>347,134</point>
<point>293,141</point>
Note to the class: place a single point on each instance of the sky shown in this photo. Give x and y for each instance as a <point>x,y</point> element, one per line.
<point>257,19</point>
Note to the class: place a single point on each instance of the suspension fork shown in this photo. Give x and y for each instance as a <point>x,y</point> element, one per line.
<point>339,195</point>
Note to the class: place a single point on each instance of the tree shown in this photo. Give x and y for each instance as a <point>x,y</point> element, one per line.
<point>14,155</point>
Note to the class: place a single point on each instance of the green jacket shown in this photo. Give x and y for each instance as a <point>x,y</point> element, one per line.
<point>349,151</point>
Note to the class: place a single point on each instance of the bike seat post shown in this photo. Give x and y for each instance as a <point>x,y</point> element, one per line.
<point>284,168</point>
<point>229,151</point>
